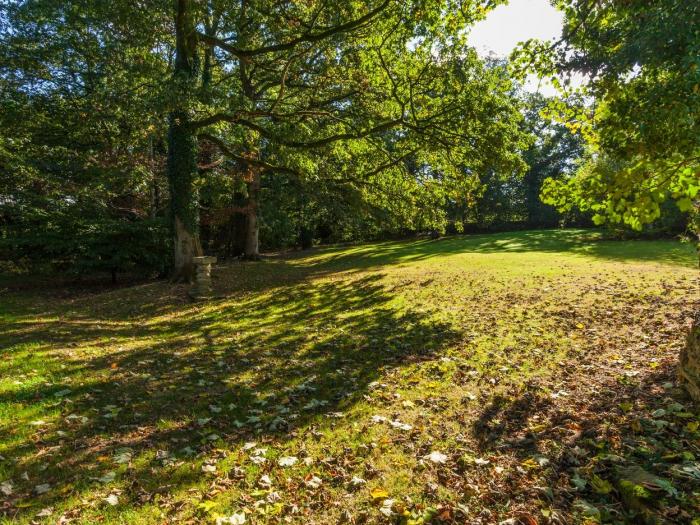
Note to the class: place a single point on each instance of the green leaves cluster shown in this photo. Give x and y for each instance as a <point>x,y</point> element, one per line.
<point>642,65</point>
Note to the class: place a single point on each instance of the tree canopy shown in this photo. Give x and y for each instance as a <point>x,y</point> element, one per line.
<point>642,63</point>
<point>218,126</point>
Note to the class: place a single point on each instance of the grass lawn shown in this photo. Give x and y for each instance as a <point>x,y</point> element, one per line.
<point>524,376</point>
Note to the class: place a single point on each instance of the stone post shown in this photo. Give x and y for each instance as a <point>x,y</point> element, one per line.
<point>202,288</point>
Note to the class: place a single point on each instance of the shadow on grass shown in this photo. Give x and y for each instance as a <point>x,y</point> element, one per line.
<point>594,438</point>
<point>270,365</point>
<point>144,366</point>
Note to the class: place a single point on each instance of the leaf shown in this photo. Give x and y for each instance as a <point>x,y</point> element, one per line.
<point>626,406</point>
<point>400,425</point>
<point>62,393</point>
<point>112,499</point>
<point>314,482</point>
<point>638,476</point>
<point>387,508</point>
<point>684,204</point>
<point>357,481</point>
<point>578,482</point>
<point>287,461</point>
<point>234,519</point>
<point>123,455</point>
<point>379,493</point>
<point>600,485</point>
<point>265,481</point>
<point>538,428</point>
<point>587,509</point>
<point>6,487</point>
<point>314,404</point>
<point>42,488</point>
<point>536,462</point>
<point>688,470</point>
<point>437,457</point>
<point>207,506</point>
<point>108,477</point>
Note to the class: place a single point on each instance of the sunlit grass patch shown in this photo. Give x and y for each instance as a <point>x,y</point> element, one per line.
<point>450,375</point>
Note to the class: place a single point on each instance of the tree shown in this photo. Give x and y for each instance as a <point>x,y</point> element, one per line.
<point>554,155</point>
<point>379,104</point>
<point>349,90</point>
<point>182,142</point>
<point>510,199</point>
<point>642,61</point>
<point>80,127</point>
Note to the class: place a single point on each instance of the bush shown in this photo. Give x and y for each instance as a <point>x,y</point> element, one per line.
<point>112,245</point>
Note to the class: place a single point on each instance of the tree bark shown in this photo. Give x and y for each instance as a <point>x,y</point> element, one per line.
<point>252,223</point>
<point>689,368</point>
<point>182,147</point>
<point>238,226</point>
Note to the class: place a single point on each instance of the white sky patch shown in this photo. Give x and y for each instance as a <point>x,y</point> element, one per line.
<point>515,22</point>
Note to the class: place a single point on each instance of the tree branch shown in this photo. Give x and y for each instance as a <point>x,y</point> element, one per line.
<point>246,54</point>
<point>239,158</point>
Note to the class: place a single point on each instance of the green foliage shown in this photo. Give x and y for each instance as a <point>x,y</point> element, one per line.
<point>81,238</point>
<point>642,62</point>
<point>363,120</point>
<point>613,190</point>
<point>356,117</point>
<point>510,199</point>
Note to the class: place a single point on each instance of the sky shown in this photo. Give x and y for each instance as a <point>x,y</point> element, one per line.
<point>515,22</point>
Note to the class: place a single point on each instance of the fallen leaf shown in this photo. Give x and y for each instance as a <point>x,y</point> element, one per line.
<point>387,508</point>
<point>42,488</point>
<point>265,481</point>
<point>437,457</point>
<point>314,482</point>
<point>108,477</point>
<point>287,461</point>
<point>112,499</point>
<point>357,481</point>
<point>234,519</point>
<point>379,493</point>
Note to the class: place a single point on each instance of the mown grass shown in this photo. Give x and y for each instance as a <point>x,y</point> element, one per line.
<point>511,354</point>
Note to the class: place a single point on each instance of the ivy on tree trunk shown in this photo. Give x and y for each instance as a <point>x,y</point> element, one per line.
<point>183,148</point>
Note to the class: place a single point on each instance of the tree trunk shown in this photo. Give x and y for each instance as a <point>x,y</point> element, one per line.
<point>252,224</point>
<point>182,147</point>
<point>237,229</point>
<point>689,370</point>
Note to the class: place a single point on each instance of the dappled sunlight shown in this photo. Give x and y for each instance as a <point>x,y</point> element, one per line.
<point>173,367</point>
<point>144,389</point>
